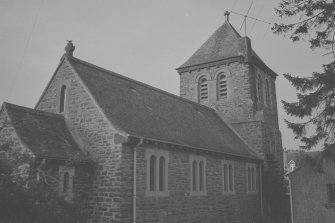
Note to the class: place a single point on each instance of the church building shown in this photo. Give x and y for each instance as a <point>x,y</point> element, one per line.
<point>140,154</point>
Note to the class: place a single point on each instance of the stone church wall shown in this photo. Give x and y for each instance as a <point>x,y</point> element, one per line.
<point>93,134</point>
<point>180,205</point>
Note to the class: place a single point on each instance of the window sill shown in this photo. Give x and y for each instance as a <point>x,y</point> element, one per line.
<point>228,193</point>
<point>157,193</point>
<point>198,193</point>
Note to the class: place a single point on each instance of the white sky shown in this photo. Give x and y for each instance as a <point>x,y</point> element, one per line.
<point>141,39</point>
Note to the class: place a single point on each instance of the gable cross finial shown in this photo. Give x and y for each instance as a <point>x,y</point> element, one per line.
<point>69,48</point>
<point>226,14</point>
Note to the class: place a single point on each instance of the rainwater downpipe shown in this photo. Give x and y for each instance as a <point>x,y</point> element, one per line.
<point>134,180</point>
<point>261,188</point>
<point>291,200</point>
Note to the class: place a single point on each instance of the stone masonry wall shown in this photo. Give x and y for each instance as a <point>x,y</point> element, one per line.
<point>237,105</point>
<point>94,134</point>
<point>180,206</point>
<point>240,107</point>
<point>309,194</point>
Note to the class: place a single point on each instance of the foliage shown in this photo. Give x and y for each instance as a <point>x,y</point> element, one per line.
<point>316,101</point>
<point>316,94</point>
<point>316,20</point>
<point>26,199</point>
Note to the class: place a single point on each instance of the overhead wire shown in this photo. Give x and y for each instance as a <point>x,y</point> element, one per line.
<point>266,31</point>
<point>26,47</point>
<point>255,20</point>
<point>246,15</point>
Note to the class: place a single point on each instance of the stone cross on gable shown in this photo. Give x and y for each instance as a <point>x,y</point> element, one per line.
<point>69,48</point>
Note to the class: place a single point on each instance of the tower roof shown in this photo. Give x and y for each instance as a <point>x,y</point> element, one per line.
<point>225,43</point>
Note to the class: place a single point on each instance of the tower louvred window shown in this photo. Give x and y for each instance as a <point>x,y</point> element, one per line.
<point>203,89</point>
<point>222,85</point>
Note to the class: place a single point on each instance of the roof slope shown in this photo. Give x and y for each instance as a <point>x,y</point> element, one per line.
<point>297,155</point>
<point>143,111</point>
<point>226,42</point>
<point>44,133</point>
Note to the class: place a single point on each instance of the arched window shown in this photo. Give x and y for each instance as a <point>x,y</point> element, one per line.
<point>225,177</point>
<point>201,176</point>
<point>231,178</point>
<point>66,182</point>
<point>161,173</point>
<point>203,89</point>
<point>62,99</point>
<point>222,85</point>
<point>195,175</point>
<point>267,92</point>
<point>249,178</point>
<point>228,177</point>
<point>152,173</point>
<point>259,89</point>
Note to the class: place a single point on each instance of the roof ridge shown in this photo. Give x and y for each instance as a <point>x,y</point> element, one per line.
<point>141,83</point>
<point>31,110</point>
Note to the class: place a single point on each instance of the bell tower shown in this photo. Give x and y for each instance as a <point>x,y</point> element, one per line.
<point>226,74</point>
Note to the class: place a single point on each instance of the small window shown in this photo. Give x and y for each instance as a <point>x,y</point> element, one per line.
<point>259,89</point>
<point>201,176</point>
<point>66,181</point>
<point>203,89</point>
<point>198,175</point>
<point>222,85</point>
<point>267,93</point>
<point>331,193</point>
<point>152,173</point>
<point>62,99</point>
<point>251,178</point>
<point>195,175</point>
<point>157,172</point>
<point>228,177</point>
<point>161,173</point>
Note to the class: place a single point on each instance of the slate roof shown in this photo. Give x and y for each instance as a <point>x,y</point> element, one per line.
<point>44,133</point>
<point>296,155</point>
<point>147,112</point>
<point>225,43</point>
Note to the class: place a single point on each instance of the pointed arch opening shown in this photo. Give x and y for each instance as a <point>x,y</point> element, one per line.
<point>62,99</point>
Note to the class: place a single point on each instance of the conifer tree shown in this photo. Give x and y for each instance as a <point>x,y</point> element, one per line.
<point>314,21</point>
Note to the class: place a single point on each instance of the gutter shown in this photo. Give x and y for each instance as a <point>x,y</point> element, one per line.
<point>134,179</point>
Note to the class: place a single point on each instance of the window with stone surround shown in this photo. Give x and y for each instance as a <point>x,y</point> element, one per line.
<point>267,93</point>
<point>198,175</point>
<point>62,99</point>
<point>203,89</point>
<point>251,178</point>
<point>228,177</point>
<point>331,193</point>
<point>157,172</point>
<point>259,89</point>
<point>222,85</point>
<point>66,175</point>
